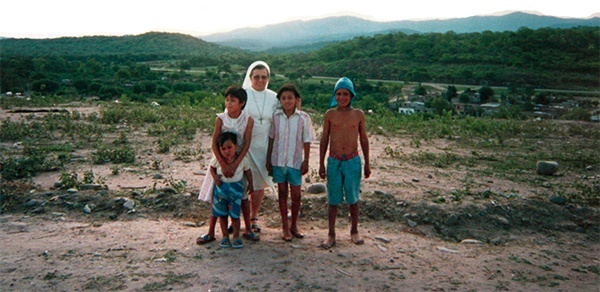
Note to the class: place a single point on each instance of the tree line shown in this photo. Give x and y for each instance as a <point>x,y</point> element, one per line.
<point>110,67</point>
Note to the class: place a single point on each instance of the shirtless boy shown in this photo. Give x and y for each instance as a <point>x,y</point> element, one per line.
<point>343,129</point>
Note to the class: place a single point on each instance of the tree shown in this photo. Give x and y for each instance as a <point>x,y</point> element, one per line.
<point>440,104</point>
<point>486,94</point>
<point>451,93</point>
<point>420,90</point>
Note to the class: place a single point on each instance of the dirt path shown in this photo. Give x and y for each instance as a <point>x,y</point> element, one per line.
<point>52,252</point>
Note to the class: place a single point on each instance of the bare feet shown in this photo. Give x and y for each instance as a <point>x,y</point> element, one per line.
<point>329,243</point>
<point>287,236</point>
<point>297,233</point>
<point>355,238</point>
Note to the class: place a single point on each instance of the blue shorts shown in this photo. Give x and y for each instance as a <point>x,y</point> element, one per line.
<point>287,174</point>
<point>227,199</point>
<point>343,180</point>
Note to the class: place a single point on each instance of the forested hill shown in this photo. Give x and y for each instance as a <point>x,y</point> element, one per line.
<point>544,58</point>
<point>152,43</point>
<point>311,33</point>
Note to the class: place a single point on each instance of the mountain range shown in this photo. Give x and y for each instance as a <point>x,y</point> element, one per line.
<point>313,34</point>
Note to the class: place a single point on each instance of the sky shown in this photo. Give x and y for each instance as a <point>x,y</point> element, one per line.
<point>60,18</point>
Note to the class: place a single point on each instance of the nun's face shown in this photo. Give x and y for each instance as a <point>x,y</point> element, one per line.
<point>259,78</point>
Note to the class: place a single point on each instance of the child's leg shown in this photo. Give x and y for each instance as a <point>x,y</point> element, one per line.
<point>296,195</point>
<point>246,214</point>
<point>283,209</point>
<point>332,213</point>
<point>354,237</point>
<point>223,224</point>
<point>256,199</point>
<point>236,228</point>
<point>212,223</point>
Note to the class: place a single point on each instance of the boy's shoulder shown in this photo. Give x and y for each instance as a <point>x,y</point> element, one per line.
<point>351,111</point>
<point>302,113</point>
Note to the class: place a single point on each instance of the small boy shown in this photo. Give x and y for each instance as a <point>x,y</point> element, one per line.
<point>228,191</point>
<point>288,155</point>
<point>343,127</point>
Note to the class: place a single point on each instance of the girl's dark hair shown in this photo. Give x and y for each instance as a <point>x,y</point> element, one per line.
<point>288,87</point>
<point>227,136</point>
<point>237,92</point>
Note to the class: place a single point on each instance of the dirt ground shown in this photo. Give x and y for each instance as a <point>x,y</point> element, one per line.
<point>517,242</point>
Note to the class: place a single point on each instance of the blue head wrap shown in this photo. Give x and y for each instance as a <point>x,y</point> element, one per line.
<point>345,83</point>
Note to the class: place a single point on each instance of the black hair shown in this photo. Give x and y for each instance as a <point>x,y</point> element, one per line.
<point>288,87</point>
<point>227,136</point>
<point>237,92</point>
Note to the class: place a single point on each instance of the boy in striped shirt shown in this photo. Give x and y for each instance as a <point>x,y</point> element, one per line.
<point>288,155</point>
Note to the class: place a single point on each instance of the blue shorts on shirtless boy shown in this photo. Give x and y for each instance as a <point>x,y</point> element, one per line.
<point>343,179</point>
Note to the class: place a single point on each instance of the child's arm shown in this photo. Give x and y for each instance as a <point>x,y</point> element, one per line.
<point>248,174</point>
<point>324,144</point>
<point>364,144</point>
<point>215,148</point>
<point>216,178</point>
<point>304,167</point>
<point>307,137</point>
<point>269,152</point>
<point>247,141</point>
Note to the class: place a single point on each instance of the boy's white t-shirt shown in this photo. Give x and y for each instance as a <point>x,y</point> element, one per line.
<point>239,171</point>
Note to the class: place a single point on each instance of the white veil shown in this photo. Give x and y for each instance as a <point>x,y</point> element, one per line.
<point>247,82</point>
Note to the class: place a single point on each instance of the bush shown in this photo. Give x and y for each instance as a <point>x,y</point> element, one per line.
<point>577,114</point>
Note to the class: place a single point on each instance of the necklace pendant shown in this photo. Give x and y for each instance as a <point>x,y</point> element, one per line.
<point>260,120</point>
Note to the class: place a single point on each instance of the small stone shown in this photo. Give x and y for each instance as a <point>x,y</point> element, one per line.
<point>317,188</point>
<point>91,187</point>
<point>87,209</point>
<point>429,176</point>
<point>547,167</point>
<point>31,203</point>
<point>471,241</point>
<point>158,176</point>
<point>190,224</point>
<point>557,200</point>
<point>415,179</point>
<point>411,223</point>
<point>445,249</point>
<point>503,220</point>
<point>168,190</point>
<point>451,220</point>
<point>129,204</point>
<point>498,240</point>
<point>57,184</point>
<point>383,239</point>
<point>72,191</point>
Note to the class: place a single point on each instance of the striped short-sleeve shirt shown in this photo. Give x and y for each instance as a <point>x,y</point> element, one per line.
<point>289,136</point>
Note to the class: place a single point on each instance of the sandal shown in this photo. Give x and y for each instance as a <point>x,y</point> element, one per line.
<point>204,239</point>
<point>225,243</point>
<point>251,236</point>
<point>254,226</point>
<point>238,243</point>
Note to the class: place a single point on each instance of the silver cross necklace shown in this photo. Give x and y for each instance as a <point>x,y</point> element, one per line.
<point>260,111</point>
